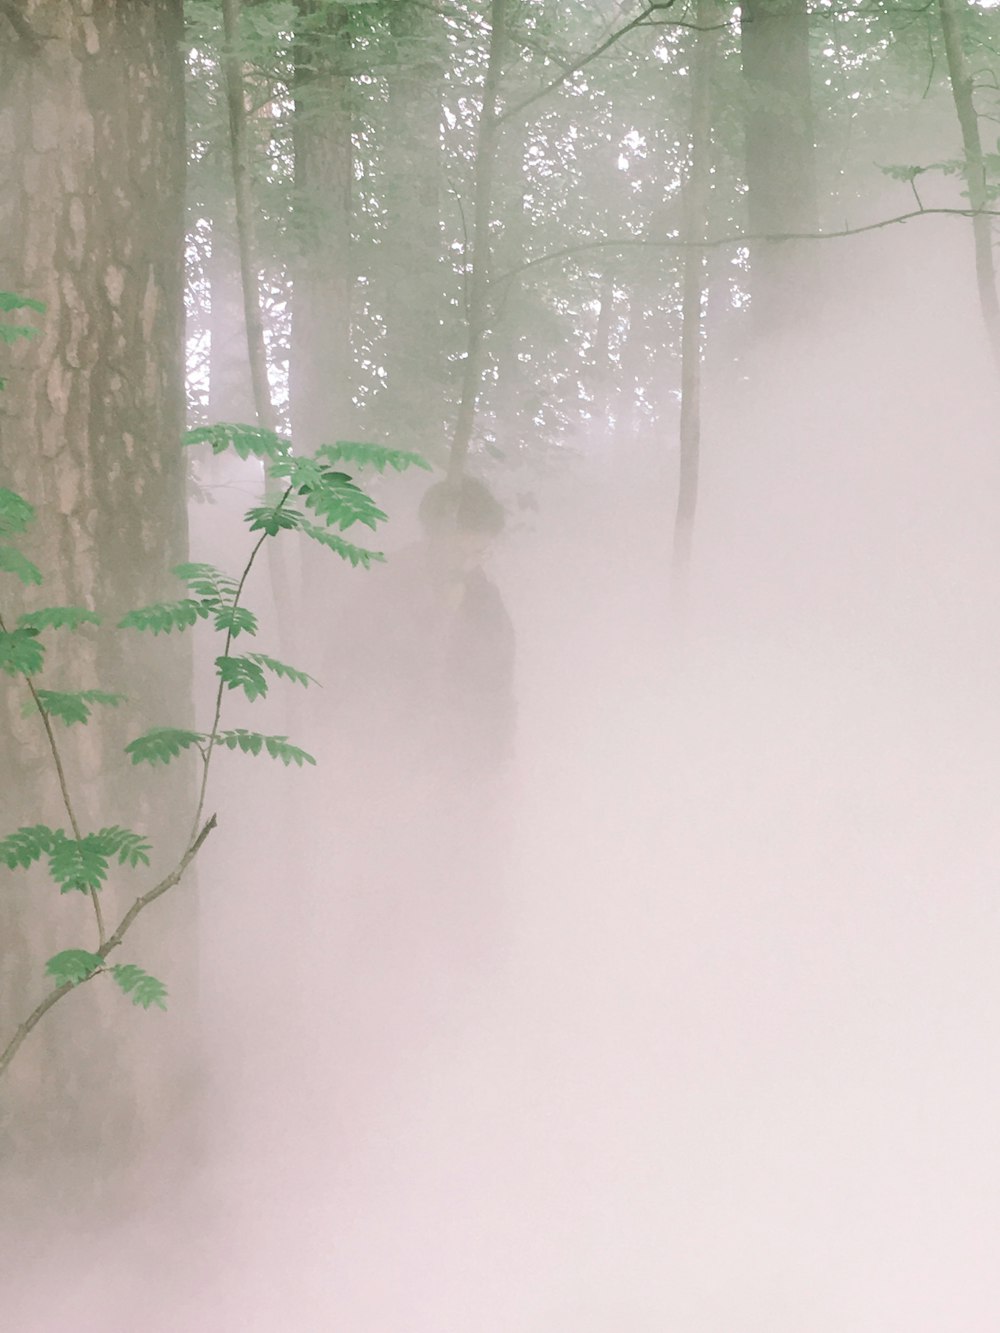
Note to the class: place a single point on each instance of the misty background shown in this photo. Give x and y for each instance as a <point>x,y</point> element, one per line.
<point>710,1045</point>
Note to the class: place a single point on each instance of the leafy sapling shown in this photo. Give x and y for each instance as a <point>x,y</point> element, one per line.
<point>317,498</point>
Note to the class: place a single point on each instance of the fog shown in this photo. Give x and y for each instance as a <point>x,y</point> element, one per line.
<point>713,1046</point>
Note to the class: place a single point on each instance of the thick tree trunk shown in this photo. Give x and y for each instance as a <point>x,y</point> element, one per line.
<point>780,171</point>
<point>322,276</point>
<point>91,222</point>
<point>975,171</point>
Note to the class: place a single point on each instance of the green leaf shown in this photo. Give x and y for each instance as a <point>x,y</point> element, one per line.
<point>240,673</point>
<point>161,745</point>
<point>164,617</point>
<point>144,989</point>
<point>210,584</point>
<point>131,848</point>
<point>10,301</point>
<point>13,562</point>
<point>27,845</point>
<point>20,652</point>
<point>59,617</point>
<point>73,966</point>
<point>74,707</point>
<point>273,518</point>
<point>242,439</point>
<point>15,513</point>
<point>357,555</point>
<point>11,333</point>
<point>330,494</point>
<point>372,455</point>
<point>252,742</point>
<point>78,864</point>
<point>282,669</point>
<point>235,619</point>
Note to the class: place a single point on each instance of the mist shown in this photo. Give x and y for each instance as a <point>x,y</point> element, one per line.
<point>677,1012</point>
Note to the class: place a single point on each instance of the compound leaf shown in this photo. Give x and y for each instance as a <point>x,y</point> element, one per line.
<point>210,584</point>
<point>15,513</point>
<point>273,518</point>
<point>59,617</point>
<point>144,989</point>
<point>20,652</point>
<point>252,742</point>
<point>242,673</point>
<point>130,848</point>
<point>242,439</point>
<point>76,706</point>
<point>164,617</point>
<point>281,669</point>
<point>73,966</point>
<point>357,555</point>
<point>372,455</point>
<point>27,845</point>
<point>235,619</point>
<point>13,562</point>
<point>161,745</point>
<point>79,864</point>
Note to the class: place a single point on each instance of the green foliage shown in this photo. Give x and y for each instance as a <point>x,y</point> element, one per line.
<point>165,617</point>
<point>13,562</point>
<point>21,849</point>
<point>240,673</point>
<point>162,744</point>
<point>9,301</point>
<point>236,620</point>
<point>357,555</point>
<point>15,513</point>
<point>12,333</point>
<point>331,494</point>
<point>59,617</point>
<point>245,441</point>
<point>372,455</point>
<point>20,652</point>
<point>208,583</point>
<point>252,742</point>
<point>73,707</point>
<point>273,518</point>
<point>74,863</point>
<point>282,669</point>
<point>144,989</point>
<point>73,966</point>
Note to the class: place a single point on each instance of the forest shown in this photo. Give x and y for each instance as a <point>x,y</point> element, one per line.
<point>499,583</point>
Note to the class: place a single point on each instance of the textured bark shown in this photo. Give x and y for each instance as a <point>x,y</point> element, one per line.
<point>780,169</point>
<point>322,276</point>
<point>91,222</point>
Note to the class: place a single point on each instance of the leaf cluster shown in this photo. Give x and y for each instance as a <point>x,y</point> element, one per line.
<point>75,864</point>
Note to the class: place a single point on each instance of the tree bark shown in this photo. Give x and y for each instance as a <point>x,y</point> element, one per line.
<point>91,222</point>
<point>975,171</point>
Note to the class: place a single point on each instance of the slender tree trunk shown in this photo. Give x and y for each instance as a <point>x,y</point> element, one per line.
<point>487,143</point>
<point>322,276</point>
<point>415,306</point>
<point>695,207</point>
<point>230,391</point>
<point>91,222</point>
<point>975,171</point>
<point>780,169</point>
<point>239,147</point>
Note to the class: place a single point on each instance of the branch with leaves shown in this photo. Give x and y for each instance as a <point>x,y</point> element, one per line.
<point>318,499</point>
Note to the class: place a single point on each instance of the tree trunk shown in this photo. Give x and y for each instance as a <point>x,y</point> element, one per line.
<point>322,279</point>
<point>695,205</point>
<point>975,171</point>
<point>415,305</point>
<point>478,260</point>
<point>780,169</point>
<point>91,222</point>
